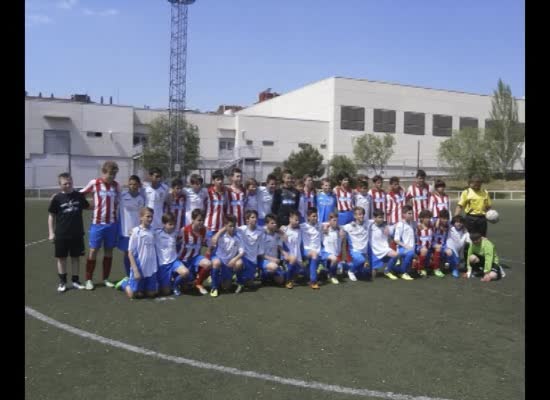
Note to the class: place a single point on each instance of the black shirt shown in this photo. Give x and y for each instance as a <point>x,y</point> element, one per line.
<point>284,200</point>
<point>67,208</point>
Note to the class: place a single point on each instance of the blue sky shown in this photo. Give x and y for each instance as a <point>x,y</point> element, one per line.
<point>238,48</point>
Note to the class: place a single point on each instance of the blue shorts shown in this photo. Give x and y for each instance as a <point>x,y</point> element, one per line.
<point>377,263</point>
<point>345,217</point>
<point>122,243</point>
<point>166,271</point>
<point>225,272</point>
<point>193,264</point>
<point>106,233</point>
<point>249,269</point>
<point>268,274</point>
<point>149,284</point>
<point>325,254</point>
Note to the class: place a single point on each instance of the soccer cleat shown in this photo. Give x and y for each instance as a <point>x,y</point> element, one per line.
<point>289,285</point>
<point>320,269</point>
<point>177,291</point>
<point>398,263</point>
<point>334,280</point>
<point>61,287</point>
<point>120,282</point>
<point>352,276</point>
<point>502,273</point>
<point>455,273</point>
<point>214,293</point>
<point>423,273</point>
<point>78,285</point>
<point>439,274</point>
<point>239,288</point>
<point>109,283</point>
<point>201,289</point>
<point>314,285</point>
<point>391,276</point>
<point>407,277</point>
<point>447,265</point>
<point>89,285</point>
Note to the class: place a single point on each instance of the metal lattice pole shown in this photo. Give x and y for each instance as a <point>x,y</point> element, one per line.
<point>177,91</point>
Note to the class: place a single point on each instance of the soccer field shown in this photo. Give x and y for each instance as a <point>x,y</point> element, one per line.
<point>426,339</point>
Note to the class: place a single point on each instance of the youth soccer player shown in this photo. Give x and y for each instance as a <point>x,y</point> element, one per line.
<point>252,238</point>
<point>265,198</point>
<point>344,199</point>
<point>236,196</point>
<point>418,194</point>
<point>175,204</point>
<point>439,200</point>
<point>381,253</point>
<point>332,246</point>
<point>195,197</point>
<point>483,259</point>
<point>311,239</point>
<point>377,196</point>
<point>405,238</point>
<point>131,201</point>
<point>326,202</point>
<point>193,239</point>
<point>308,195</point>
<point>103,229</point>
<point>441,230</point>
<point>357,235</point>
<point>361,196</point>
<point>156,195</point>
<point>228,258</point>
<point>456,240</point>
<point>271,268</point>
<point>285,199</point>
<point>66,230</point>
<point>424,241</point>
<point>291,251</point>
<point>252,196</point>
<point>216,204</point>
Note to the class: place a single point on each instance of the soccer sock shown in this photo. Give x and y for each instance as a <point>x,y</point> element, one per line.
<point>202,275</point>
<point>90,266</point>
<point>391,264</point>
<point>332,266</point>
<point>178,281</point>
<point>74,278</point>
<point>313,263</point>
<point>421,262</point>
<point>406,261</point>
<point>436,260</point>
<point>107,263</point>
<point>126,264</point>
<point>289,272</point>
<point>215,274</point>
<point>62,278</point>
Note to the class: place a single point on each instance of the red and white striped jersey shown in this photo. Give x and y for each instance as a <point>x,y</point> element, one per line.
<point>106,198</point>
<point>176,205</point>
<point>307,200</point>
<point>235,206</point>
<point>377,200</point>
<point>191,242</point>
<point>394,206</point>
<point>440,234</point>
<point>216,208</point>
<point>420,198</point>
<point>344,199</point>
<point>439,202</point>
<point>425,236</point>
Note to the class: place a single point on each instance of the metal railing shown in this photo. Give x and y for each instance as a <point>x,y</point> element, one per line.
<point>454,195</point>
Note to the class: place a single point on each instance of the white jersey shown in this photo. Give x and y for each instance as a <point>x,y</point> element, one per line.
<point>228,247</point>
<point>265,200</point>
<point>378,240</point>
<point>405,233</point>
<point>106,197</point>
<point>166,246</point>
<point>272,242</point>
<point>252,241</point>
<point>358,236</point>
<point>332,241</point>
<point>155,199</point>
<point>311,236</point>
<point>292,241</point>
<point>194,200</point>
<point>142,246</point>
<point>456,239</point>
<point>362,200</point>
<point>129,212</point>
<point>252,202</point>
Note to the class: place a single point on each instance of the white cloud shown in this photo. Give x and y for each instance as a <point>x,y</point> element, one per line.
<point>37,19</point>
<point>66,4</point>
<point>104,13</point>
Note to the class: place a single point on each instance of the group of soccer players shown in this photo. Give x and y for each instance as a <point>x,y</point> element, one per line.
<point>175,238</point>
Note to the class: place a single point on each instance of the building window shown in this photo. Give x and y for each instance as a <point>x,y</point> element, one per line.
<point>268,143</point>
<point>140,139</point>
<point>56,141</point>
<point>442,125</point>
<point>384,121</point>
<point>226,144</point>
<point>467,122</point>
<point>94,134</point>
<point>249,142</point>
<point>323,146</point>
<point>414,123</point>
<point>352,118</point>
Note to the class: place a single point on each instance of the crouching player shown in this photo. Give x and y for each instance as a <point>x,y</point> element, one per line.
<point>169,264</point>
<point>228,255</point>
<point>405,238</point>
<point>424,235</point>
<point>270,266</point>
<point>143,259</point>
<point>380,251</point>
<point>483,259</point>
<point>441,230</point>
<point>456,240</point>
<point>291,252</point>
<point>252,240</point>
<point>193,239</point>
<point>357,234</point>
<point>311,239</point>
<point>332,246</point>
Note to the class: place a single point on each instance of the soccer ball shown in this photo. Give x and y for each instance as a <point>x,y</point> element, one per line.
<point>492,216</point>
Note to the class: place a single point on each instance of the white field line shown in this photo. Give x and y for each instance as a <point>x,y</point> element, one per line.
<point>33,243</point>
<point>227,370</point>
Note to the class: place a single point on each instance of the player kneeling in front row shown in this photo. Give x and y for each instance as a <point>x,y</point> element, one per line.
<point>357,235</point>
<point>483,259</point>
<point>404,237</point>
<point>332,246</point>
<point>311,240</point>
<point>456,240</point>
<point>270,265</point>
<point>379,247</point>
<point>252,238</point>
<point>228,256</point>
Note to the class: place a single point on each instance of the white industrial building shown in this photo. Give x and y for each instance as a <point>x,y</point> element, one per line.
<point>327,114</point>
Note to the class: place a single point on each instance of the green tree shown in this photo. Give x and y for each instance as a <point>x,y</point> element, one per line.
<point>465,153</point>
<point>505,136</point>
<point>339,164</point>
<point>156,153</point>
<point>373,151</point>
<point>306,161</point>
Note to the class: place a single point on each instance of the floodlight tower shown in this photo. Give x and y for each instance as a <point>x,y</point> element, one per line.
<point>178,60</point>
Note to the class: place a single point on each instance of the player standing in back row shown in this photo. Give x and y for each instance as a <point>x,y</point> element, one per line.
<point>418,194</point>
